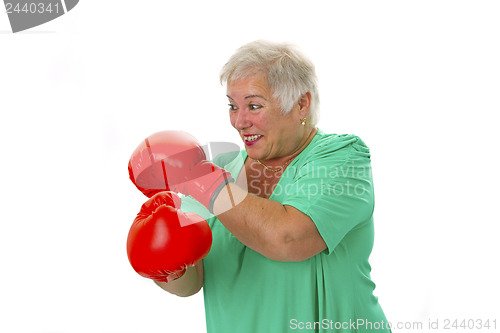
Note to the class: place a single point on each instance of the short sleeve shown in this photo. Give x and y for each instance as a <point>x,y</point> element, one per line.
<point>334,187</point>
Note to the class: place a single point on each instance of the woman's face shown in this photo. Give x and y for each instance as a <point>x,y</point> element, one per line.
<point>256,114</point>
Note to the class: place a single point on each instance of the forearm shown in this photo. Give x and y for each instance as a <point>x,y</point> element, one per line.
<point>188,284</point>
<point>255,221</point>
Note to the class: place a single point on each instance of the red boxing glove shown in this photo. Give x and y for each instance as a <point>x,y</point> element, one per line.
<point>175,161</point>
<point>163,241</point>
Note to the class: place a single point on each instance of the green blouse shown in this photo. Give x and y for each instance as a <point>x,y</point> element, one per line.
<point>245,292</point>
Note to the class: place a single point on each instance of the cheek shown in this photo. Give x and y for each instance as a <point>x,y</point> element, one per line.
<point>271,122</point>
<point>262,121</point>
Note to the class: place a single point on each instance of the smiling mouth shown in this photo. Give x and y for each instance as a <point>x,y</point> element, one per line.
<point>252,138</point>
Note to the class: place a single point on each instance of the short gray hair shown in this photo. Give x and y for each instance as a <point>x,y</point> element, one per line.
<point>290,74</point>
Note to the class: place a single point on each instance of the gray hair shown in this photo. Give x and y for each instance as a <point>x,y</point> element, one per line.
<point>290,74</point>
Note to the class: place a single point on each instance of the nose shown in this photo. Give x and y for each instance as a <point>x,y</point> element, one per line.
<point>241,120</point>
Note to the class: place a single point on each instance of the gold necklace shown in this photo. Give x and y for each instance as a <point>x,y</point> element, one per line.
<point>275,170</point>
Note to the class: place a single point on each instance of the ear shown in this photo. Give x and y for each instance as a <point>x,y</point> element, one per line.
<point>305,104</point>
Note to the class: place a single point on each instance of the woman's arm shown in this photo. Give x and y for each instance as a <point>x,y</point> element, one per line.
<point>277,231</point>
<point>188,284</point>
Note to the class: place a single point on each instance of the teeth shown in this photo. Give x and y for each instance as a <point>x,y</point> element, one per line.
<point>252,138</point>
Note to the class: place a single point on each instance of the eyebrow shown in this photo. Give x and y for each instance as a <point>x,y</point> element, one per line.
<point>249,96</point>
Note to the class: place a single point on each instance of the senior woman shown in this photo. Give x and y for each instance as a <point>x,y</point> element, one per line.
<point>293,233</point>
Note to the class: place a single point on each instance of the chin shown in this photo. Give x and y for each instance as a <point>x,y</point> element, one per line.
<point>252,153</point>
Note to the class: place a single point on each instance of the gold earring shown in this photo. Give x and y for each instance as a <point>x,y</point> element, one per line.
<point>303,122</point>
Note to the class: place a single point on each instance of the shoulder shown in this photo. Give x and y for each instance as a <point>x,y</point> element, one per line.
<point>339,145</point>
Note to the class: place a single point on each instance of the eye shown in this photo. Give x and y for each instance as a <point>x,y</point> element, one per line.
<point>254,106</point>
<point>232,107</point>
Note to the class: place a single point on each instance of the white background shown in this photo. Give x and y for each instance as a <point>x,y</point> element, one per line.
<point>419,81</point>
